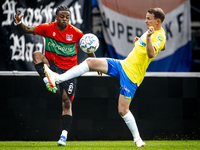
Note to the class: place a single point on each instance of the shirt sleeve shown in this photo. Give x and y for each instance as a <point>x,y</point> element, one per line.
<point>158,42</point>
<point>40,30</point>
<point>80,34</point>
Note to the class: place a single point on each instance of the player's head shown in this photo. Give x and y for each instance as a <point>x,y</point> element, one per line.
<point>62,8</point>
<point>155,17</point>
<point>158,13</point>
<point>62,16</point>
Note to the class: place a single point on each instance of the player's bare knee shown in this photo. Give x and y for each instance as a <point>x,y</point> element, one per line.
<point>89,61</point>
<point>122,112</point>
<point>92,63</point>
<point>35,54</point>
<point>37,57</point>
<point>67,104</point>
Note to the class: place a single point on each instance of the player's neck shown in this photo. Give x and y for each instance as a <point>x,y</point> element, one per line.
<point>158,27</point>
<point>61,28</point>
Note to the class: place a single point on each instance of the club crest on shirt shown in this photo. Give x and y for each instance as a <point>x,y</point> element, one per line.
<point>69,37</point>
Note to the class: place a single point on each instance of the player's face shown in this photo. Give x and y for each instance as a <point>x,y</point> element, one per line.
<point>150,20</point>
<point>62,19</point>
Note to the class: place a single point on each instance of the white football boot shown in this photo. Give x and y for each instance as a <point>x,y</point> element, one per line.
<point>140,143</point>
<point>50,75</point>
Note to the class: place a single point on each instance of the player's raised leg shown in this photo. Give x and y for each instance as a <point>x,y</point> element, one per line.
<point>39,60</point>
<point>97,64</point>
<point>125,113</point>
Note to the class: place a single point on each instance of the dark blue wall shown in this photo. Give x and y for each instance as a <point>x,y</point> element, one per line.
<point>164,108</point>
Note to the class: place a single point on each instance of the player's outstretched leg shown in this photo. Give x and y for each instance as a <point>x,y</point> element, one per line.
<point>71,73</point>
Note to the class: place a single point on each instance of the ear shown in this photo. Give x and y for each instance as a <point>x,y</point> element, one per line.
<point>56,17</point>
<point>158,21</point>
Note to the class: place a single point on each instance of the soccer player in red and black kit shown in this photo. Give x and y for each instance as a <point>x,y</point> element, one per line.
<point>61,40</point>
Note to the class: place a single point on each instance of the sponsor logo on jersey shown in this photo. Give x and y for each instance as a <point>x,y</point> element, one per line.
<point>60,48</point>
<point>158,44</point>
<point>142,43</point>
<point>160,38</point>
<point>141,40</point>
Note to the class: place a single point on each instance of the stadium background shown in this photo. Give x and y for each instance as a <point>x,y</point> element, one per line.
<point>29,112</point>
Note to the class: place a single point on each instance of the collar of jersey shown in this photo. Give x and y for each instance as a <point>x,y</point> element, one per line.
<point>60,29</point>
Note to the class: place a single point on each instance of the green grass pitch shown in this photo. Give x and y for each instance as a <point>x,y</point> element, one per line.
<point>100,145</point>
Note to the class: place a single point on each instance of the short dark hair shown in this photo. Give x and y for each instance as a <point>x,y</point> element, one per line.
<point>158,13</point>
<point>61,8</point>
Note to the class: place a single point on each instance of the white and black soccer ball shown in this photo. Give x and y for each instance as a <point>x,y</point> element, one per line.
<point>89,43</point>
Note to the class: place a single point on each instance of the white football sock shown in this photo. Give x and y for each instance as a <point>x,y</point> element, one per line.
<point>130,122</point>
<point>73,72</point>
<point>64,133</point>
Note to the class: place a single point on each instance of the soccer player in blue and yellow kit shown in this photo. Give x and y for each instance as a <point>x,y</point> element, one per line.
<point>130,71</point>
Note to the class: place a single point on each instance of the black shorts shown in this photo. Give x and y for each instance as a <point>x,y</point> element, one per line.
<point>69,85</point>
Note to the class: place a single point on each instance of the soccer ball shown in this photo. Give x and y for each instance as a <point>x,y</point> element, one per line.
<point>89,43</point>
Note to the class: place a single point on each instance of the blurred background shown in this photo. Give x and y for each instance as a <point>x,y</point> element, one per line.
<point>166,105</point>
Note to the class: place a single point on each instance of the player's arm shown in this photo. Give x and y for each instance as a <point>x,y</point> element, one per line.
<point>136,39</point>
<point>151,50</point>
<point>22,26</point>
<point>91,55</point>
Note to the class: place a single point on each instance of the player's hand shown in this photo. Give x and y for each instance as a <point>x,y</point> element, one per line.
<point>18,18</point>
<point>99,73</point>
<point>150,31</point>
<point>136,39</point>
